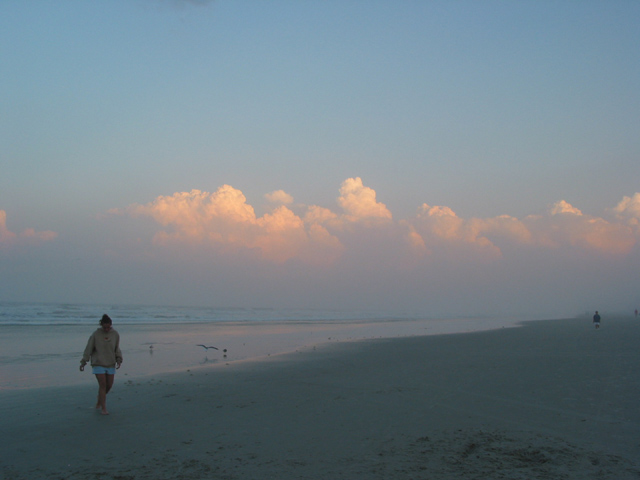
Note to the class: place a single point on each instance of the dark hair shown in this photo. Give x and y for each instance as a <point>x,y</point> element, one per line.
<point>105,319</point>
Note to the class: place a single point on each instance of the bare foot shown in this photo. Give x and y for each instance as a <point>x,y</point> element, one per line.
<point>104,412</point>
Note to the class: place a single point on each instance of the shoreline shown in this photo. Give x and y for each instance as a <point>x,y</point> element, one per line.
<point>553,399</point>
<point>172,347</point>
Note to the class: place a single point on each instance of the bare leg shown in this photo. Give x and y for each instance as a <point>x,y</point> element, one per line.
<point>108,384</point>
<point>110,379</point>
<point>102,391</point>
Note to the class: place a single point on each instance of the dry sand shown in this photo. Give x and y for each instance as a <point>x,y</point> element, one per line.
<point>551,400</point>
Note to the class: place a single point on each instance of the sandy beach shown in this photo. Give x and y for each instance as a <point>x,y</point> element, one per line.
<point>549,400</point>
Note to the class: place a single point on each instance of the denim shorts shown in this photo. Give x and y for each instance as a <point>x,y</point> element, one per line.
<point>101,370</point>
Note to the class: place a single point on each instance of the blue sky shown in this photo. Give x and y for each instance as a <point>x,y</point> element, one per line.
<point>481,109</point>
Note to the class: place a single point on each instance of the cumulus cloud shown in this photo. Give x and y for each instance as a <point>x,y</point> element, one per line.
<point>280,197</point>
<point>225,222</point>
<point>439,222</point>
<point>359,202</point>
<point>564,207</point>
<point>503,226</point>
<point>6,236</point>
<point>565,225</point>
<point>321,215</point>
<point>628,210</point>
<point>439,226</point>
<point>28,235</point>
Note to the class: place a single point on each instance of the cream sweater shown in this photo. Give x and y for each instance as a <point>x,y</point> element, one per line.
<point>103,348</point>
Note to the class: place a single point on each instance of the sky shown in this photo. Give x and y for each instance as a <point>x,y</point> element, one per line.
<point>412,157</point>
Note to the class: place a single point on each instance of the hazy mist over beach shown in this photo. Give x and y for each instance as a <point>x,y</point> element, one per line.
<point>443,158</point>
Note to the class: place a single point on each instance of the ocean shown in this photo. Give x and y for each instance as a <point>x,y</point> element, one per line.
<point>16,313</point>
<point>41,343</point>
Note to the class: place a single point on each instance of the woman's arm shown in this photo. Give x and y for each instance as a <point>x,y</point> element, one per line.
<point>118,353</point>
<point>87,352</point>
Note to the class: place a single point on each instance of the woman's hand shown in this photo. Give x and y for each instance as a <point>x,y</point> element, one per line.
<point>82,368</point>
<point>118,365</point>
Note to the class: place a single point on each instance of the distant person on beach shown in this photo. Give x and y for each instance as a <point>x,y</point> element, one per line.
<point>596,319</point>
<point>636,313</point>
<point>103,349</point>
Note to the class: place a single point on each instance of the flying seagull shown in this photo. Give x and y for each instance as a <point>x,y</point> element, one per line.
<point>205,347</point>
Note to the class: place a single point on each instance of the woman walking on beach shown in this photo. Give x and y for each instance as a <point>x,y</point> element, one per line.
<point>103,349</point>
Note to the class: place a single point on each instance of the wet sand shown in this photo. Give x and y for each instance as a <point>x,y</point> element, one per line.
<point>28,354</point>
<point>553,399</point>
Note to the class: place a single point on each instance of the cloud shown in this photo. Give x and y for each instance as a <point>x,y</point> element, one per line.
<point>279,196</point>
<point>440,227</point>
<point>27,236</point>
<point>359,202</point>
<point>6,236</point>
<point>564,207</point>
<point>321,215</point>
<point>628,210</point>
<point>197,215</point>
<point>225,223</point>
<point>223,220</point>
<point>439,222</point>
<point>565,225</point>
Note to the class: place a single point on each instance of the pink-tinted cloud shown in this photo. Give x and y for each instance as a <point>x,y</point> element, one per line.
<point>224,221</point>
<point>566,225</point>
<point>279,197</point>
<point>27,236</point>
<point>321,215</point>
<point>628,211</point>
<point>564,207</point>
<point>563,225</point>
<point>439,227</point>
<point>359,202</point>
<point>6,236</point>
